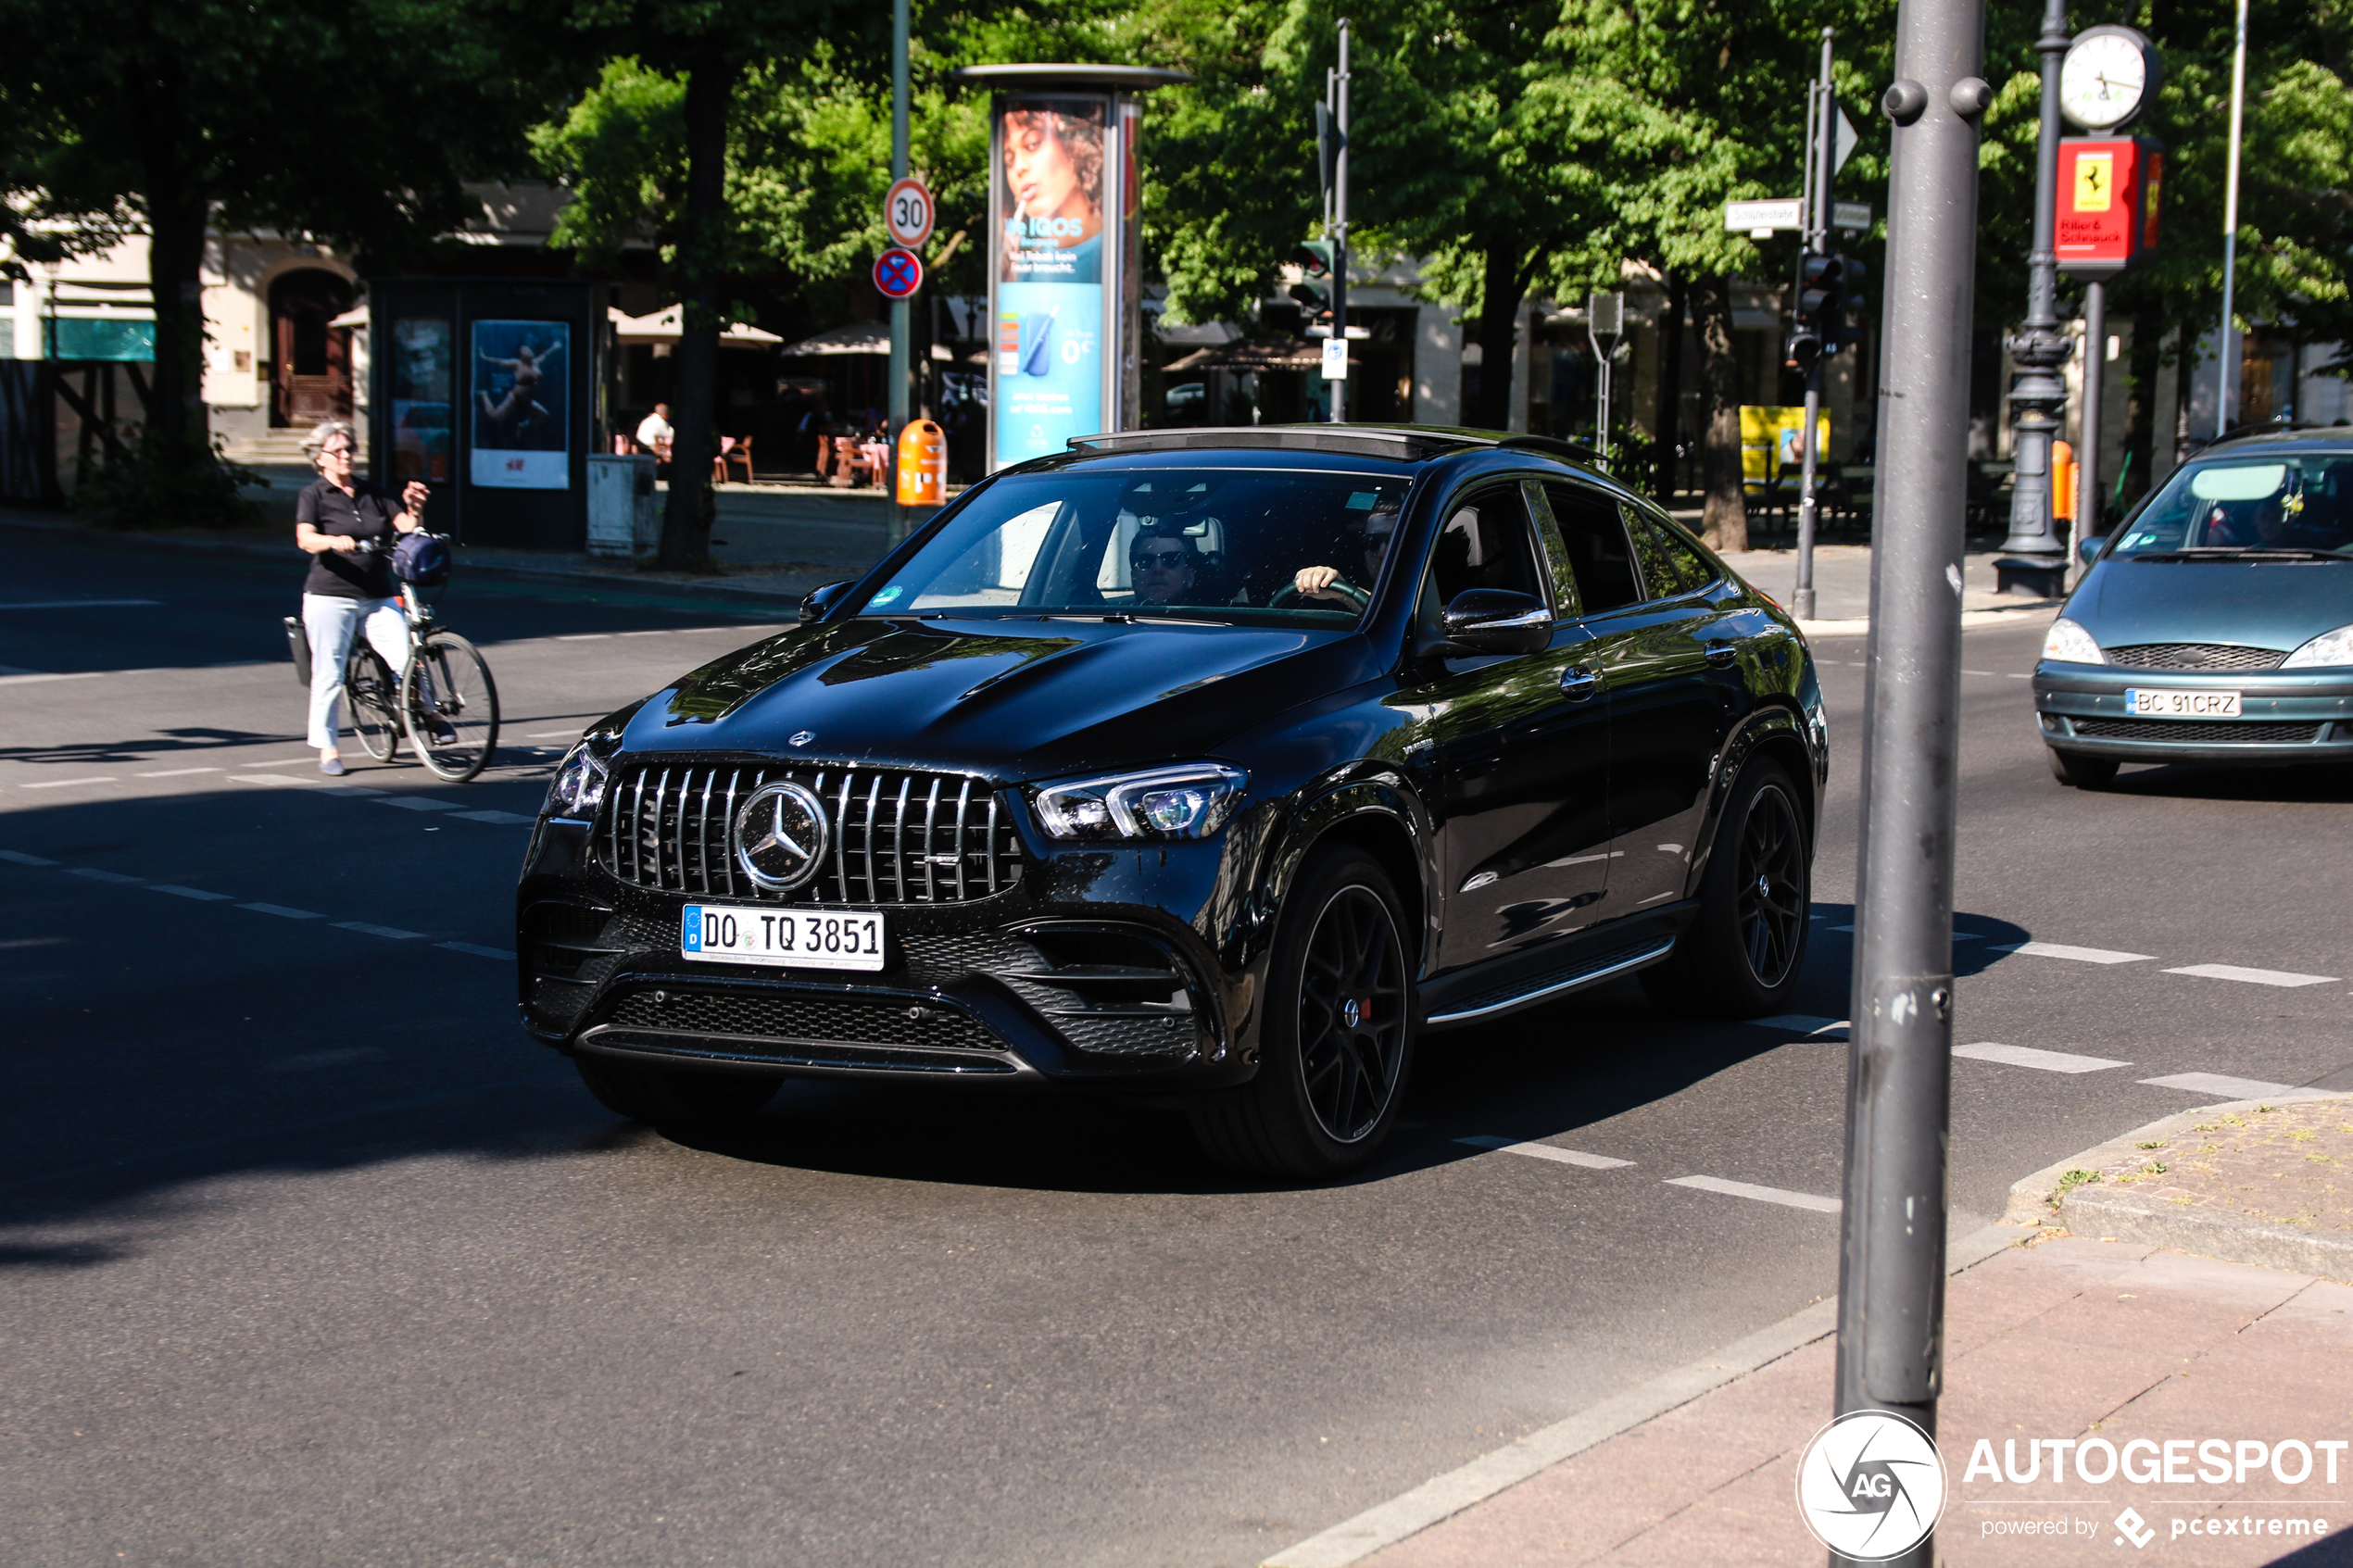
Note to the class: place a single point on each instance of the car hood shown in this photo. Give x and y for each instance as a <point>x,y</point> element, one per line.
<point>2249,604</point>
<point>1053,696</point>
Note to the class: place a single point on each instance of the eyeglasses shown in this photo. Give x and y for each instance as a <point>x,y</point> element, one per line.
<point>1159,560</point>
<point>335,451</point>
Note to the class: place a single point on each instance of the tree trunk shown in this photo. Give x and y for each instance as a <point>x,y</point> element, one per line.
<point>700,272</point>
<point>177,208</point>
<point>1668,427</point>
<point>1725,518</point>
<point>1498,335</point>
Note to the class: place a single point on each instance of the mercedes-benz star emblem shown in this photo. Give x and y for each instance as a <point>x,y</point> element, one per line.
<point>800,737</point>
<point>780,837</point>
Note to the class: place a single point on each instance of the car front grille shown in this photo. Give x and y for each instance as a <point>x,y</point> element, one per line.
<point>2197,732</point>
<point>788,1020</point>
<point>2193,656</point>
<point>896,837</point>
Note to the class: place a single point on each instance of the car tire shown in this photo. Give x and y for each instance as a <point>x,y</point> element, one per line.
<point>1336,1044</point>
<point>1743,956</point>
<point>2082,773</point>
<point>683,1097</point>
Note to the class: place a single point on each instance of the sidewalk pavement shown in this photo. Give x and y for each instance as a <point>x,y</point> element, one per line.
<point>1842,588</point>
<point>2050,1337</point>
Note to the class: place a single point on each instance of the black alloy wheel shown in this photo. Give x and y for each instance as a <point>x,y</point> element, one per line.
<point>1744,954</point>
<point>1338,1034</point>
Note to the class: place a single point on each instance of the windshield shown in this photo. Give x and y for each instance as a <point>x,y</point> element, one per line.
<point>1256,545</point>
<point>2300,503</point>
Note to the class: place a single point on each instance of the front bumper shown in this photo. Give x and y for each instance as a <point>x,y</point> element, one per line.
<point>1085,973</point>
<point>2284,716</point>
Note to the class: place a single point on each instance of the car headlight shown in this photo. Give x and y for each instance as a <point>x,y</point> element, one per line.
<point>1189,801</point>
<point>579,786</point>
<point>2329,647</point>
<point>2069,643</point>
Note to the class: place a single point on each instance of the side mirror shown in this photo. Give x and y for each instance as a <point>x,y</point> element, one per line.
<point>820,601</point>
<point>2087,550</point>
<point>1497,621</point>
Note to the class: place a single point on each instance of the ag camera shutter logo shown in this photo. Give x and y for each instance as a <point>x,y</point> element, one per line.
<point>1871,1486</point>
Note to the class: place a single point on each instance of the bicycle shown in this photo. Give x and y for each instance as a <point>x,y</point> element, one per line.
<point>444,701</point>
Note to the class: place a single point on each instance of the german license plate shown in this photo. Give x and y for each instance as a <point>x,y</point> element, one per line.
<point>2155,702</point>
<point>786,938</point>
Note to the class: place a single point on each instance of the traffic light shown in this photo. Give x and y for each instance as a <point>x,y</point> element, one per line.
<point>1828,291</point>
<point>1313,290</point>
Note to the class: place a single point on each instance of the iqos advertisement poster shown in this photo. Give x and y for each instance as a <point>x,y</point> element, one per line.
<point>1051,274</point>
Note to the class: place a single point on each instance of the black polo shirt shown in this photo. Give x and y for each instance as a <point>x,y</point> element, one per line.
<point>364,514</point>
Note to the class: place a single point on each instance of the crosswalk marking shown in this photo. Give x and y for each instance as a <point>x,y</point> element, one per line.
<point>2080,955</point>
<point>2220,1084</point>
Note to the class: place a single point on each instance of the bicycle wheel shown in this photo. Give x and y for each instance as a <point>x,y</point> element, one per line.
<point>451,706</point>
<point>374,699</point>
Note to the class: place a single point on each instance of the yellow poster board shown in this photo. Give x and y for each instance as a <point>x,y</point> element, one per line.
<point>1770,436</point>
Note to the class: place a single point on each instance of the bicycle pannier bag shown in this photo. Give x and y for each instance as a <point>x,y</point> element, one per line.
<point>299,643</point>
<point>422,560</point>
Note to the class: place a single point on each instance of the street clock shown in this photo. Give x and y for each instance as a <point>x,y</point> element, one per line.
<point>2108,77</point>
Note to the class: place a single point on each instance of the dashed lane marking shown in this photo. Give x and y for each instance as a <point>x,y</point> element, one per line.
<point>177,772</point>
<point>393,932</point>
<point>2253,976</point>
<point>94,875</point>
<point>283,762</point>
<point>551,735</point>
<point>264,779</point>
<point>1545,1151</point>
<point>76,675</point>
<point>20,858</point>
<point>282,912</point>
<point>2220,1084</point>
<point>1760,1193</point>
<point>179,892</point>
<point>1805,1023</point>
<point>477,950</point>
<point>68,783</point>
<point>583,637</point>
<point>2027,1056</point>
<point>503,817</point>
<point>419,803</point>
<point>2078,955</point>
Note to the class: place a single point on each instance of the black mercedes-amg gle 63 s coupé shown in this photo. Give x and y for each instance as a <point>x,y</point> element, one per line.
<point>1222,769</point>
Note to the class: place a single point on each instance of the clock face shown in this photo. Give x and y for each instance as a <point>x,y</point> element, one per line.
<point>2103,80</point>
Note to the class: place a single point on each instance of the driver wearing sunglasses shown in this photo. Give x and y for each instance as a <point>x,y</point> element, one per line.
<point>1165,565</point>
<point>1327,582</point>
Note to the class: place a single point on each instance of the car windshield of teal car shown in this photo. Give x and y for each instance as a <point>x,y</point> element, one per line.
<point>2299,505</point>
<point>1251,545</point>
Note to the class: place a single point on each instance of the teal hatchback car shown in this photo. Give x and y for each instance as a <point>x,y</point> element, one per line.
<point>2216,626</point>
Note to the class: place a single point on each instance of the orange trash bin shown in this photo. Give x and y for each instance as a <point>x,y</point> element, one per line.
<point>2062,480</point>
<point>922,464</point>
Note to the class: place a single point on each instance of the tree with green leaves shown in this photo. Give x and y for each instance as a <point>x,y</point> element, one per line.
<point>354,124</point>
<point>650,144</point>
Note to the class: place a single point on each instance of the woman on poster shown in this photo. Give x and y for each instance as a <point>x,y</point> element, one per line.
<point>1054,194</point>
<point>527,367</point>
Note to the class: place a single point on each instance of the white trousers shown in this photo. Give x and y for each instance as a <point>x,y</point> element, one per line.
<point>331,622</point>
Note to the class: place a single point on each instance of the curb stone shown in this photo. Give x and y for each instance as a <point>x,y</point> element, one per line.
<point>1435,1501</point>
<point>2090,1209</point>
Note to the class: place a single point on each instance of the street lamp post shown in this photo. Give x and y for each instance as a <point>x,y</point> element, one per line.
<point>2034,559</point>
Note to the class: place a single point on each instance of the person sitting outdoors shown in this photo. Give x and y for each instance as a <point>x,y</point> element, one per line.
<point>655,433</point>
<point>1328,584</point>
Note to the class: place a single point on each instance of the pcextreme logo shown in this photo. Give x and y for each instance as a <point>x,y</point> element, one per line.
<point>1871,1486</point>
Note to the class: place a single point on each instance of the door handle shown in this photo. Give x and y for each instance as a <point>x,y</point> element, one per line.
<point>1579,681</point>
<point>1721,654</point>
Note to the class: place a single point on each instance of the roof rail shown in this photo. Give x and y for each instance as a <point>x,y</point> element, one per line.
<point>1404,442</point>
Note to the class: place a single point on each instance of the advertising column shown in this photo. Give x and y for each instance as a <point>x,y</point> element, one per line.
<point>1056,268</point>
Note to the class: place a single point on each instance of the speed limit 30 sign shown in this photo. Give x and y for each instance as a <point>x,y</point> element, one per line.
<point>907,212</point>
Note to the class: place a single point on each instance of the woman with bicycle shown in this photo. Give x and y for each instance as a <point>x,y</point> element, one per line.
<point>346,525</point>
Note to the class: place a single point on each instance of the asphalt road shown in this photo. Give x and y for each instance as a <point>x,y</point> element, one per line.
<point>307,1256</point>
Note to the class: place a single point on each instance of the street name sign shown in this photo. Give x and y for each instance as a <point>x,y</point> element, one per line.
<point>1763,217</point>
